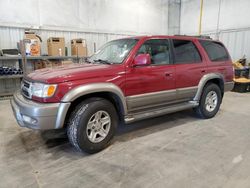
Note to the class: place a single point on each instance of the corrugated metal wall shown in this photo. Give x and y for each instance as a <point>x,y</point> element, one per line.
<point>10,36</point>
<point>228,18</point>
<point>237,42</point>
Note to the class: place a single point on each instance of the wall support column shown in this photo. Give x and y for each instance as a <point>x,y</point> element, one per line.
<point>174,16</point>
<point>200,18</point>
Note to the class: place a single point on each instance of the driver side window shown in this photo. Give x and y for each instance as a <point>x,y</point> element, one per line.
<point>158,49</point>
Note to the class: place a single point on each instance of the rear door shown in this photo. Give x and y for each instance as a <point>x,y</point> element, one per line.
<point>219,59</point>
<point>190,67</point>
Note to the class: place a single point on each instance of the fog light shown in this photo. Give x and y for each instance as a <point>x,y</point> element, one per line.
<point>28,119</point>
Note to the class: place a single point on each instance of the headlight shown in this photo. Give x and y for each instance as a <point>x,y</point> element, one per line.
<point>43,90</point>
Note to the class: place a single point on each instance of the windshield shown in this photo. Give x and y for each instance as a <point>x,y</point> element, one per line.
<point>114,52</point>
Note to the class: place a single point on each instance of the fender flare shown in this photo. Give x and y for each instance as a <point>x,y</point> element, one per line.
<point>203,82</point>
<point>95,88</point>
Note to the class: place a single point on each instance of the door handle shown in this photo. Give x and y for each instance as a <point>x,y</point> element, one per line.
<point>203,71</point>
<point>168,74</point>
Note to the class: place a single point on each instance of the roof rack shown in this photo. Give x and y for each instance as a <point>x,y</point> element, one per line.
<point>196,36</point>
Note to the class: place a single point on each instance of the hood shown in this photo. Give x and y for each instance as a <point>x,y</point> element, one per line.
<point>67,73</point>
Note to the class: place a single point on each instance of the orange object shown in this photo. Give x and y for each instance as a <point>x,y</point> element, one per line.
<point>33,47</point>
<point>51,90</point>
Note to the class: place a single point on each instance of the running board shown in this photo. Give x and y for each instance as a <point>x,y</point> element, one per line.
<point>160,111</point>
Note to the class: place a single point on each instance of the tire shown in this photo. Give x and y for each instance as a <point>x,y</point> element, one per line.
<point>93,112</point>
<point>207,111</point>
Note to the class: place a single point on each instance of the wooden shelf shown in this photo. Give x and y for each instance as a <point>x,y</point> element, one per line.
<point>11,76</point>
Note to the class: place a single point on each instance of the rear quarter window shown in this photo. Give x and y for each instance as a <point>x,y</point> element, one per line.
<point>215,50</point>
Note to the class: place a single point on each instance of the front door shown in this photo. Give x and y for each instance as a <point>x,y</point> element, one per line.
<point>153,85</point>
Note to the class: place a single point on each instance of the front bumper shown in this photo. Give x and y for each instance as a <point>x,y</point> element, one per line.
<point>35,115</point>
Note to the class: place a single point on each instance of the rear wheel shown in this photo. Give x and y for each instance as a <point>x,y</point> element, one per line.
<point>210,101</point>
<point>92,125</point>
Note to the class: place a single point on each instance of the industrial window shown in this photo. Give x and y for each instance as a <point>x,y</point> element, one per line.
<point>215,50</point>
<point>185,52</point>
<point>158,49</point>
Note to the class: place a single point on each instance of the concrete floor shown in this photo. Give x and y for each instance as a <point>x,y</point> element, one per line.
<point>176,150</point>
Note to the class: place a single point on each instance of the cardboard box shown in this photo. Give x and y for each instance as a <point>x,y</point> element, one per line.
<point>33,45</point>
<point>79,47</point>
<point>47,64</point>
<point>68,62</point>
<point>56,63</point>
<point>56,46</point>
<point>38,65</point>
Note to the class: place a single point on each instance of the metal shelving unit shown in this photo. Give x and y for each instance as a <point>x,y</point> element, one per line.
<point>29,61</point>
<point>9,83</point>
<point>51,57</point>
<point>11,76</point>
<point>10,57</point>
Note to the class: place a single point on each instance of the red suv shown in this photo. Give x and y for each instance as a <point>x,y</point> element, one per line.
<point>126,80</point>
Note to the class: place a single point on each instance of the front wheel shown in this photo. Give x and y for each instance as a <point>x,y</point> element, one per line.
<point>92,125</point>
<point>210,101</point>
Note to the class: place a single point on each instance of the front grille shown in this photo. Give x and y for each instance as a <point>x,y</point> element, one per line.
<point>26,89</point>
<point>25,93</point>
<point>26,84</point>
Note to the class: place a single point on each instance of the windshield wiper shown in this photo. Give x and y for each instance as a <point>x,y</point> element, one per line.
<point>103,61</point>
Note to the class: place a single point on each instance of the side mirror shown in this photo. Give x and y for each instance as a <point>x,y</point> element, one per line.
<point>142,60</point>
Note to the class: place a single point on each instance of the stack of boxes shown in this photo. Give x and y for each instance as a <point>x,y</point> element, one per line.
<point>56,47</point>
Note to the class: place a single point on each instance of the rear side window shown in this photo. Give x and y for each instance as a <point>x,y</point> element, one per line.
<point>185,52</point>
<point>215,50</point>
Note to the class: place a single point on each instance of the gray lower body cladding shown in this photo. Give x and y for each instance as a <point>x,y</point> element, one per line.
<point>36,115</point>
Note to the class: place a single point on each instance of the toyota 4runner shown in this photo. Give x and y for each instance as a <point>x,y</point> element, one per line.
<point>125,81</point>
